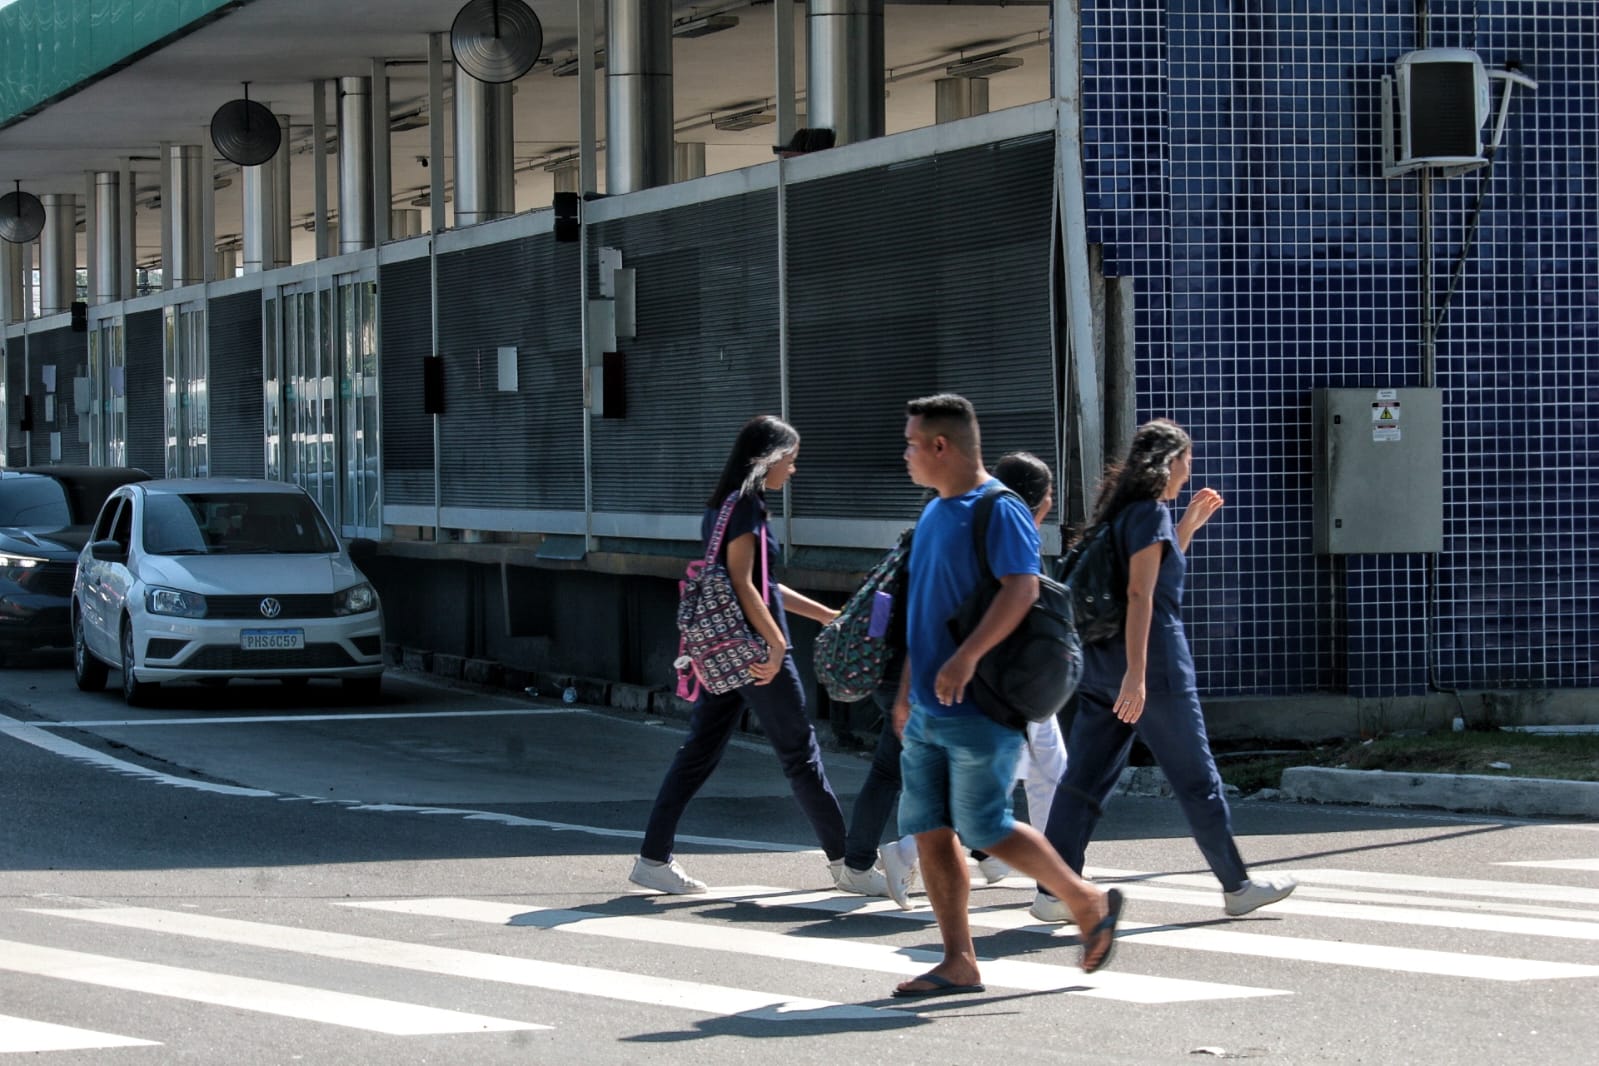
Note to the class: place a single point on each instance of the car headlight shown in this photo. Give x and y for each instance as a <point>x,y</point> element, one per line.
<point>174,601</point>
<point>357,599</point>
<point>20,562</point>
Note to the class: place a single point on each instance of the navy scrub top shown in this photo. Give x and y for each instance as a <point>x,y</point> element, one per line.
<point>1169,665</point>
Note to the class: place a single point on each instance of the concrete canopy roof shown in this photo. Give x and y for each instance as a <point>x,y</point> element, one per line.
<point>282,46</point>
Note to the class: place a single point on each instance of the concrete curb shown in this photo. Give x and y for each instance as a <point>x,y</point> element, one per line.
<point>1529,797</point>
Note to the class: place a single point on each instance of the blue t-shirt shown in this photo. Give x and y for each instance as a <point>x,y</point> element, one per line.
<point>749,516</point>
<point>944,571</point>
<point>1168,664</point>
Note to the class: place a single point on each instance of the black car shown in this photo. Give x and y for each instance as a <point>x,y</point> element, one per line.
<point>45,516</point>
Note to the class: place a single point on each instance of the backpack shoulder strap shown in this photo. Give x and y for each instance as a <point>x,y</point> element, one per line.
<point>722,518</point>
<point>982,511</point>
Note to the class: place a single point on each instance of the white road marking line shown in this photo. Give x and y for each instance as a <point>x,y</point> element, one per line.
<point>1260,945</point>
<point>398,954</point>
<point>880,958</point>
<point>29,733</point>
<point>248,993</point>
<point>1557,864</point>
<point>1458,886</point>
<point>1434,890</point>
<point>295,719</point>
<point>23,1036</point>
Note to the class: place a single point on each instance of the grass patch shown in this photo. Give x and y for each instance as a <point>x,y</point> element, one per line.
<point>1571,758</point>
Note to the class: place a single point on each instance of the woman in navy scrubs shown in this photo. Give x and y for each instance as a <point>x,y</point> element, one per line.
<point>1143,683</point>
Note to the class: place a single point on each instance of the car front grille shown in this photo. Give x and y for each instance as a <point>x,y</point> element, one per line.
<point>311,657</point>
<point>51,579</point>
<point>316,606</point>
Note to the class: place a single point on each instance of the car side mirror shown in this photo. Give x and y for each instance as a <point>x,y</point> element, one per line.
<point>109,551</point>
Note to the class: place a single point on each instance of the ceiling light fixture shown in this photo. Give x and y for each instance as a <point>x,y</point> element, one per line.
<point>744,120</point>
<point>704,25</point>
<point>981,66</point>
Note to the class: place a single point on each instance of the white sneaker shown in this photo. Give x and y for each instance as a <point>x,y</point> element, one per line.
<point>1047,908</point>
<point>1258,892</point>
<point>867,882</point>
<point>666,877</point>
<point>994,870</point>
<point>899,873</point>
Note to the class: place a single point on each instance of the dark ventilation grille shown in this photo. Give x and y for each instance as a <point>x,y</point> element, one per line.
<point>311,657</point>
<point>404,302</point>
<point>706,355</point>
<point>520,449</point>
<point>68,353</point>
<point>235,392</point>
<point>910,279</point>
<point>146,416</point>
<point>1443,110</point>
<point>298,606</point>
<point>16,389</point>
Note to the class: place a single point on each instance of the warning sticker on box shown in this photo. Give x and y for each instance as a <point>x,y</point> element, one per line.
<point>1385,420</point>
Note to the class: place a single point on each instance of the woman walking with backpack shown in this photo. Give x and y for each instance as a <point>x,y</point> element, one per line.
<point>1142,682</point>
<point>762,460</point>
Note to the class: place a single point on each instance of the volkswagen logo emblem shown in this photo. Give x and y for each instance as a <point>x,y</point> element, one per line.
<point>271,608</point>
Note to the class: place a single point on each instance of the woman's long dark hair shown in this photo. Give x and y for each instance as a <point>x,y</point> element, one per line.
<point>1143,473</point>
<point>763,441</point>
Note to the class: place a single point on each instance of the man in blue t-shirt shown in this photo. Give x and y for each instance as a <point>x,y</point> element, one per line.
<point>959,765</point>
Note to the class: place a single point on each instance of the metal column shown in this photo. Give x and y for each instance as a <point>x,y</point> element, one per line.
<point>844,68</point>
<point>355,164</point>
<point>266,241</point>
<point>12,268</point>
<point>181,210</point>
<point>638,84</point>
<point>58,254</point>
<point>105,256</point>
<point>485,144</point>
<point>957,98</point>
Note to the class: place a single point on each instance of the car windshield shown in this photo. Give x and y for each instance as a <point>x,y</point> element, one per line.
<point>35,503</point>
<point>254,523</point>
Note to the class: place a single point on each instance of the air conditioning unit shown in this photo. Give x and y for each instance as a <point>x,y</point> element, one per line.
<point>1443,104</point>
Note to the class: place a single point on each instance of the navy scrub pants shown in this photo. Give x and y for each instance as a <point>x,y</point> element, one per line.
<point>1173,728</point>
<point>780,707</point>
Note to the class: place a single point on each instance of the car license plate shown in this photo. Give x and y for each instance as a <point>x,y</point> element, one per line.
<point>271,639</point>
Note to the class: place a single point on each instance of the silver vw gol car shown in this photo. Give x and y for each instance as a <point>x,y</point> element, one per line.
<point>206,580</point>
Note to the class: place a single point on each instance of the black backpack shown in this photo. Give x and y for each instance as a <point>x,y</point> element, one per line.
<point>1092,572</point>
<point>1028,676</point>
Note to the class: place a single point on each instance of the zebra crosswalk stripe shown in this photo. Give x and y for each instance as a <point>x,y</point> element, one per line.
<point>247,993</point>
<point>25,1036</point>
<point>1030,976</point>
<point>1300,949</point>
<point>455,962</point>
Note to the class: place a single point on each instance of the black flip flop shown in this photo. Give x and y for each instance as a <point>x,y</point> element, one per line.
<point>1107,924</point>
<point>942,986</point>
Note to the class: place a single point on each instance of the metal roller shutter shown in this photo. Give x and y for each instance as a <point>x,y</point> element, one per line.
<point>238,423</point>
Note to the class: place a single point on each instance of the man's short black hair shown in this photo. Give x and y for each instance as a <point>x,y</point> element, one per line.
<point>951,416</point>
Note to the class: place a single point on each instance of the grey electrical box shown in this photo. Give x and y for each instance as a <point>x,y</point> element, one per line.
<point>1378,479</point>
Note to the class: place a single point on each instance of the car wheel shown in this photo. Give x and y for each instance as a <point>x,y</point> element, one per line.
<point>89,672</point>
<point>364,689</point>
<point>134,691</point>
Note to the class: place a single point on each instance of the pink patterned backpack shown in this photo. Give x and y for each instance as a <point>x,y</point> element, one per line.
<point>717,647</point>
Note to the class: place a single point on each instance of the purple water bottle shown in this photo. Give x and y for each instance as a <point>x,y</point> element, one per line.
<point>882,609</point>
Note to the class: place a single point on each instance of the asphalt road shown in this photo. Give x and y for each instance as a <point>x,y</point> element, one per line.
<point>256,875</point>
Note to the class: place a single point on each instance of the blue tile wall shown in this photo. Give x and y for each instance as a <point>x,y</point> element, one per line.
<point>1234,170</point>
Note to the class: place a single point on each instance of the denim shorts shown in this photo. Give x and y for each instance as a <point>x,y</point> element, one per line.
<point>958,773</point>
